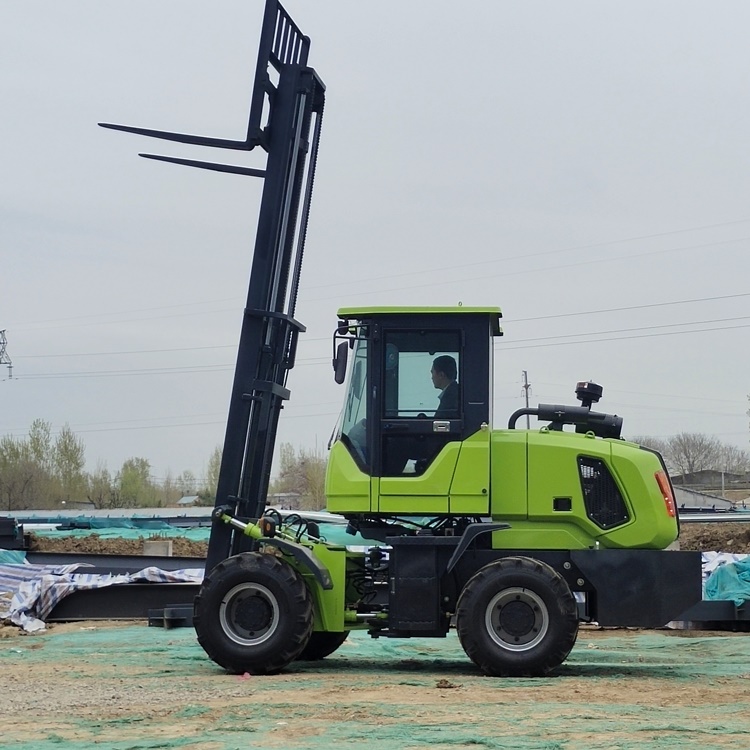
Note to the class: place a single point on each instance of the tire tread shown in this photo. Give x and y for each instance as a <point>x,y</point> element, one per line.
<point>233,657</point>
<point>541,661</point>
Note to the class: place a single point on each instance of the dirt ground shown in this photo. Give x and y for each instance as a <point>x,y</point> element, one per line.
<point>716,537</point>
<point>128,687</point>
<point>124,686</point>
<point>95,544</point>
<point>708,537</point>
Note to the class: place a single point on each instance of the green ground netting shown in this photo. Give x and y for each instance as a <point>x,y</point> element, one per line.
<point>197,534</point>
<point>155,688</point>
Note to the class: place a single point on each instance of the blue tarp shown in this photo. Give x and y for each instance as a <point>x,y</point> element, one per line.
<point>730,582</point>
<point>12,557</point>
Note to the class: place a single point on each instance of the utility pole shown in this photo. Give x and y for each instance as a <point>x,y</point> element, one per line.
<point>526,389</point>
<point>4,358</point>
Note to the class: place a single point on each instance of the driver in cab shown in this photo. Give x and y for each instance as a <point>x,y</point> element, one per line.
<point>444,373</point>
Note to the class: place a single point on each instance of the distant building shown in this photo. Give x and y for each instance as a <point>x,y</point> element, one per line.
<point>187,500</point>
<point>710,478</point>
<point>77,505</point>
<point>687,499</point>
<point>285,500</point>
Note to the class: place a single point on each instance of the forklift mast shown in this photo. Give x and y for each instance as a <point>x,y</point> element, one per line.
<point>285,121</point>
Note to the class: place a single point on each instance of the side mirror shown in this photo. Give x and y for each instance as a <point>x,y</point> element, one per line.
<point>339,362</point>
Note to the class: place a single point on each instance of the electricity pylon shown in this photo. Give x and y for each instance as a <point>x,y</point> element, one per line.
<point>4,358</point>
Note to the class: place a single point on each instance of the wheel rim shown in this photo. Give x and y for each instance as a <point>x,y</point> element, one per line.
<point>517,619</point>
<point>249,614</point>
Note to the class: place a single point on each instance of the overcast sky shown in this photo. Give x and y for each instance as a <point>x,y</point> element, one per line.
<point>583,165</point>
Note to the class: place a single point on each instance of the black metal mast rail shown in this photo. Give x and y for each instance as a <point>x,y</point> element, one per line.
<point>285,121</point>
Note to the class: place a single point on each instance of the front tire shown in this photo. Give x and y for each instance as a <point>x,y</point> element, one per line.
<point>253,614</point>
<point>517,617</point>
<point>322,644</point>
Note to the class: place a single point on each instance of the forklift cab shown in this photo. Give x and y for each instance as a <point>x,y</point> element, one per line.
<point>413,437</point>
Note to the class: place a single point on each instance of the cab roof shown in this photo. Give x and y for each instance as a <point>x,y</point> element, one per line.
<point>360,313</point>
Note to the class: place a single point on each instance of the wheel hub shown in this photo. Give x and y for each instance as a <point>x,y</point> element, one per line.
<point>252,613</point>
<point>249,614</point>
<point>517,619</point>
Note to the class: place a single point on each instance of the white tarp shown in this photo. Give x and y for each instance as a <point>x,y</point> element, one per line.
<point>28,593</point>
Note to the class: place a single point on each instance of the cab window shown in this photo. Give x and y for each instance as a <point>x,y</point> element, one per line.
<point>421,374</point>
<point>354,421</point>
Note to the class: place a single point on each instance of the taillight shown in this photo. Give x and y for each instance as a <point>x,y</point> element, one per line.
<point>666,490</point>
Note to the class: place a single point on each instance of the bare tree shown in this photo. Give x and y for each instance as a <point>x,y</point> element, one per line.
<point>18,474</point>
<point>302,472</point>
<point>101,489</point>
<point>39,444</point>
<point>207,493</point>
<point>315,480</point>
<point>39,472</point>
<point>134,483</point>
<point>734,460</point>
<point>170,492</point>
<point>186,483</point>
<point>655,443</point>
<point>68,455</point>
<point>689,452</point>
<point>24,481</point>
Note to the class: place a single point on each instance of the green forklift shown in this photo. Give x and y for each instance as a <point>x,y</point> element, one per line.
<point>511,536</point>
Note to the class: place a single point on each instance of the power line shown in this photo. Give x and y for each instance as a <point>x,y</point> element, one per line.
<point>641,328</point>
<point>186,370</point>
<point>347,283</point>
<point>520,344</point>
<point>132,351</point>
<point>506,274</point>
<point>137,310</point>
<point>625,338</point>
<point>302,340</point>
<point>542,253</point>
<point>654,395</point>
<point>713,412</point>
<point>309,340</point>
<point>630,308</point>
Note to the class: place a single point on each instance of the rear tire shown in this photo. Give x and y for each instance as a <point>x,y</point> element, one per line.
<point>516,617</point>
<point>322,644</point>
<point>253,614</point>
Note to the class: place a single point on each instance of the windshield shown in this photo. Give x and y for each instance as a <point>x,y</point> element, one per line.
<point>353,423</point>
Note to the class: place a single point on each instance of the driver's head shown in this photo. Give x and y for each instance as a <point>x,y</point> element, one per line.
<point>444,371</point>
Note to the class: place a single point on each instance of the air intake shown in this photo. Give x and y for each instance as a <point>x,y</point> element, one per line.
<point>604,503</point>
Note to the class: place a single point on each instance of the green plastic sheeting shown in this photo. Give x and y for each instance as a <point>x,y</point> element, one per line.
<point>126,523</point>
<point>199,534</point>
<point>333,532</point>
<point>12,557</point>
<point>139,688</point>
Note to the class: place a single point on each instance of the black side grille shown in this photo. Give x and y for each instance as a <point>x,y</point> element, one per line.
<point>603,501</point>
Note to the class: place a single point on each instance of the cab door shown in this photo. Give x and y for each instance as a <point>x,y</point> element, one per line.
<point>420,420</point>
